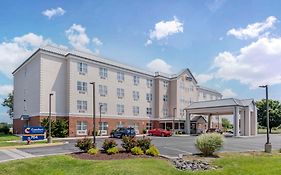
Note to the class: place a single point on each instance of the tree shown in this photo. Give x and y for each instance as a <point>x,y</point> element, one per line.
<point>59,127</point>
<point>274,113</point>
<point>8,102</point>
<point>226,123</point>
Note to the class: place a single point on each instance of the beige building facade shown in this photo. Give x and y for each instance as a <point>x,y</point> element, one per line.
<point>124,95</point>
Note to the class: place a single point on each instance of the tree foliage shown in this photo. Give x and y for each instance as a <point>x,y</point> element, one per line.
<point>8,102</point>
<point>274,113</point>
<point>226,123</point>
<point>59,127</point>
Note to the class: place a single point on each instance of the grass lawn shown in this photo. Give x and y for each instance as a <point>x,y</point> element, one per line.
<point>273,131</point>
<point>2,144</point>
<point>8,137</point>
<point>233,164</point>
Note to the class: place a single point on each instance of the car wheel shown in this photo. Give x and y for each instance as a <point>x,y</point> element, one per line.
<point>162,135</point>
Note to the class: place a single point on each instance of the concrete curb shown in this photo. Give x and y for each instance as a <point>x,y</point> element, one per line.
<point>32,146</point>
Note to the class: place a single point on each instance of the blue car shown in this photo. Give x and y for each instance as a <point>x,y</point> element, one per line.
<point>120,132</point>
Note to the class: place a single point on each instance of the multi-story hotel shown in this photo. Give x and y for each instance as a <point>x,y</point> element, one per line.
<point>124,95</point>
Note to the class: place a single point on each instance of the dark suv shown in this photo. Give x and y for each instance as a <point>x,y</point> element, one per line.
<point>120,132</point>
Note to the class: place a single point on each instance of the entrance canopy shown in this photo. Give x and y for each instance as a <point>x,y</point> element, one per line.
<point>243,111</point>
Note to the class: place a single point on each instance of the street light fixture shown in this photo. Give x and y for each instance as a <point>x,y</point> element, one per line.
<point>94,115</point>
<point>174,120</point>
<point>100,118</point>
<point>268,146</point>
<point>49,118</point>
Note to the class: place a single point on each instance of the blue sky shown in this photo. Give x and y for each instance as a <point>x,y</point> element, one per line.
<point>231,46</point>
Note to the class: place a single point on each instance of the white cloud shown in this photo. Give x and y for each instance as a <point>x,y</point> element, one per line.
<point>159,65</point>
<point>53,12</point>
<point>256,64</point>
<point>228,93</point>
<point>203,78</point>
<point>148,42</point>
<point>253,30</point>
<point>163,29</point>
<point>5,90</point>
<point>97,41</point>
<point>77,37</point>
<point>214,5</point>
<point>14,52</point>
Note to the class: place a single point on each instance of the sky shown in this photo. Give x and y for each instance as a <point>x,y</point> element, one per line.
<point>230,46</point>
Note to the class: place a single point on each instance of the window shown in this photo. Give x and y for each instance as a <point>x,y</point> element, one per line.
<point>82,68</point>
<point>165,97</point>
<point>165,112</point>
<point>204,95</point>
<point>136,95</point>
<point>103,107</point>
<point>81,128</point>
<point>120,109</point>
<point>103,126</point>
<point>102,90</point>
<point>136,110</point>
<point>166,84</point>
<point>120,76</point>
<point>81,86</point>
<point>136,80</point>
<point>120,93</point>
<point>149,111</point>
<point>103,73</point>
<point>191,88</point>
<point>149,83</point>
<point>149,97</point>
<point>81,106</point>
<point>120,125</point>
<point>149,126</point>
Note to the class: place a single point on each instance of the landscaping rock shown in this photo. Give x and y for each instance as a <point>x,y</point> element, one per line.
<point>192,165</point>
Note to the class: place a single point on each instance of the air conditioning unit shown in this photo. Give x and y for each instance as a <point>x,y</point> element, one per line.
<point>81,132</point>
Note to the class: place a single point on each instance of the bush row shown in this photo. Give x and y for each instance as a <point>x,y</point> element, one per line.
<point>130,144</point>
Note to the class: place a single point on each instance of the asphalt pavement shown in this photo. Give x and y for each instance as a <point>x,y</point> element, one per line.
<point>168,146</point>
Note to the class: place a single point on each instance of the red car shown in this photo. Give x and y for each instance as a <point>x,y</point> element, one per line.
<point>159,132</point>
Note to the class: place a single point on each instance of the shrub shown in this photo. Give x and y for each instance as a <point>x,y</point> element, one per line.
<point>112,150</point>
<point>59,127</point>
<point>152,151</point>
<point>93,151</point>
<point>4,129</point>
<point>137,151</point>
<point>108,143</point>
<point>84,144</point>
<point>209,143</point>
<point>144,143</point>
<point>144,131</point>
<point>128,143</point>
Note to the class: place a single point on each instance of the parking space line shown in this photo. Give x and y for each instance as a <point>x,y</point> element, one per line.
<point>12,154</point>
<point>175,149</point>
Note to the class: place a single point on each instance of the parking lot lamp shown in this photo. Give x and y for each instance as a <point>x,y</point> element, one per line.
<point>174,120</point>
<point>100,119</point>
<point>49,118</point>
<point>268,146</point>
<point>94,115</point>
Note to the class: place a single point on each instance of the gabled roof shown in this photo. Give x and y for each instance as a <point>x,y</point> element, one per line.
<point>208,89</point>
<point>226,102</point>
<point>196,118</point>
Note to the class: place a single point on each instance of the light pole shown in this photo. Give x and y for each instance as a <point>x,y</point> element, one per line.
<point>100,118</point>
<point>268,146</point>
<point>49,118</point>
<point>94,115</point>
<point>174,120</point>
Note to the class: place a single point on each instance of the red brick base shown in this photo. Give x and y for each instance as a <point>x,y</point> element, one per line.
<point>112,124</point>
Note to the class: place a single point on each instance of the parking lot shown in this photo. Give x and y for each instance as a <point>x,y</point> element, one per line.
<point>168,146</point>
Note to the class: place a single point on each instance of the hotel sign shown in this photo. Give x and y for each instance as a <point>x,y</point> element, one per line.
<point>33,133</point>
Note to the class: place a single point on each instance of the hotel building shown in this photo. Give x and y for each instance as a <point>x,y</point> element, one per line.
<point>124,95</point>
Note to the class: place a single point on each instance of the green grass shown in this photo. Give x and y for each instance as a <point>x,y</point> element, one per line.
<point>2,144</point>
<point>273,131</point>
<point>8,137</point>
<point>233,164</point>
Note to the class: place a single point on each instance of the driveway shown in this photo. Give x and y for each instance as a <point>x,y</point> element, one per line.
<point>169,146</point>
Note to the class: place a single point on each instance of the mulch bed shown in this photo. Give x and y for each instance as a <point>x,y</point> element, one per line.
<point>104,156</point>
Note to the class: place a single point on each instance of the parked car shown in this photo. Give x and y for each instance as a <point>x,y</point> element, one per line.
<point>160,132</point>
<point>120,132</point>
<point>211,130</point>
